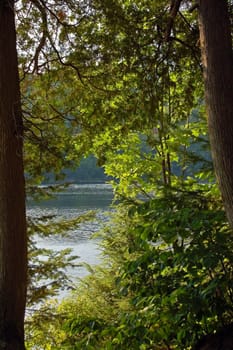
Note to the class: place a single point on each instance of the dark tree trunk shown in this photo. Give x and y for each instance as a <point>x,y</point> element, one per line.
<point>13,242</point>
<point>222,340</point>
<point>217,58</point>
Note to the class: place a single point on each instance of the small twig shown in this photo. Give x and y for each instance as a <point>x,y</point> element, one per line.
<point>194,7</point>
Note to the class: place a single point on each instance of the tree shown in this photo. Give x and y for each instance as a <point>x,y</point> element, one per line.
<point>217,58</point>
<point>13,242</point>
<point>130,58</point>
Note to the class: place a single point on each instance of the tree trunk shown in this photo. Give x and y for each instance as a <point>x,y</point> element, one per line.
<point>217,58</point>
<point>222,340</point>
<point>13,242</point>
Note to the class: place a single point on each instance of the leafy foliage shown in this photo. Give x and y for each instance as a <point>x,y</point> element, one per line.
<point>166,279</point>
<point>122,81</point>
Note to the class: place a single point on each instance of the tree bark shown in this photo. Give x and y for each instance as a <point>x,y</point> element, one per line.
<point>222,340</point>
<point>13,241</point>
<point>217,58</point>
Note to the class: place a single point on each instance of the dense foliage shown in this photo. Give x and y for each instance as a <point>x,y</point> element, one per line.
<point>121,81</point>
<point>166,275</point>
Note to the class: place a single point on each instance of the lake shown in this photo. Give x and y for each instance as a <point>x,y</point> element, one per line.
<point>71,202</point>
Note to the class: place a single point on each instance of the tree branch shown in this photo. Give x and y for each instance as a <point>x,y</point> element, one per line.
<point>44,33</point>
<point>174,8</point>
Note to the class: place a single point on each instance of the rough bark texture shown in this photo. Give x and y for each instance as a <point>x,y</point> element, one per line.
<point>13,255</point>
<point>217,57</point>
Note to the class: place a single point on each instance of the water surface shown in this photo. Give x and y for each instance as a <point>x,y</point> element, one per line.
<point>74,201</point>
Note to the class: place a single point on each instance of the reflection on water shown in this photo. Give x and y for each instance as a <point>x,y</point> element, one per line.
<point>79,197</point>
<point>75,200</point>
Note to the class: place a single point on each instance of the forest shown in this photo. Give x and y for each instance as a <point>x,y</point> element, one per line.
<point>139,93</point>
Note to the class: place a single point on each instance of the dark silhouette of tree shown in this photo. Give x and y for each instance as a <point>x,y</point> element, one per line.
<point>217,58</point>
<point>13,243</point>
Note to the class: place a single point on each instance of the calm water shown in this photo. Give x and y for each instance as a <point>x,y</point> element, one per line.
<point>76,200</point>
